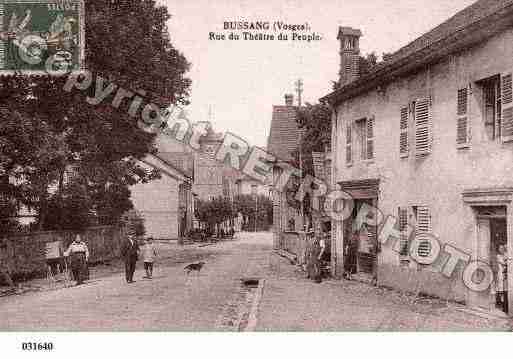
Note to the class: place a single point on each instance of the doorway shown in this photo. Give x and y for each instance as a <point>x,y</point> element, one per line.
<point>361,245</point>
<point>492,234</point>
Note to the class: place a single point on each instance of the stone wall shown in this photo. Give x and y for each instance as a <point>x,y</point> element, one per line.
<point>23,255</point>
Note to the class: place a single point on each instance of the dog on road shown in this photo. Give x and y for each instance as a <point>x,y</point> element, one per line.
<point>194,267</point>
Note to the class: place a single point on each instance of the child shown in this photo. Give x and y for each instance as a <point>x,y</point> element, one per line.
<point>149,253</point>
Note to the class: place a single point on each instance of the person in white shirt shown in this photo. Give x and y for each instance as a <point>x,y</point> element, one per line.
<point>79,255</point>
<point>149,253</point>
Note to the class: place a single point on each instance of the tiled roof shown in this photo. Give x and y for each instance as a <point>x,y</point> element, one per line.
<point>475,13</point>
<point>471,14</point>
<point>181,161</point>
<point>284,135</point>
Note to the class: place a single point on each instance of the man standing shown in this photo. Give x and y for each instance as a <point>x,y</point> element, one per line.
<point>130,252</point>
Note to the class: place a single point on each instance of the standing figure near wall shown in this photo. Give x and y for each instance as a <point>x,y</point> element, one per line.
<point>79,255</point>
<point>315,252</point>
<point>350,253</point>
<point>502,278</point>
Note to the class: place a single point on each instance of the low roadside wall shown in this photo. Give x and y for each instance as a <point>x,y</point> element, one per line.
<point>23,255</point>
<point>423,281</point>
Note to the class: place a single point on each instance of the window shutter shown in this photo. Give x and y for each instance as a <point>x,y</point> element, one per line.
<point>507,108</point>
<point>422,130</point>
<point>349,154</point>
<point>402,215</point>
<point>403,135</point>
<point>462,121</point>
<point>370,138</point>
<point>423,228</point>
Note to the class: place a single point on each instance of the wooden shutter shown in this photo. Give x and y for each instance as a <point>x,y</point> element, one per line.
<point>370,138</point>
<point>422,127</point>
<point>507,108</point>
<point>402,215</point>
<point>423,228</point>
<point>403,132</point>
<point>349,141</point>
<point>462,119</point>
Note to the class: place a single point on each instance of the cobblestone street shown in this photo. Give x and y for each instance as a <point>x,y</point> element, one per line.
<point>216,299</point>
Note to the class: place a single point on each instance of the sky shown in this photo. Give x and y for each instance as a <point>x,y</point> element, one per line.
<point>236,83</point>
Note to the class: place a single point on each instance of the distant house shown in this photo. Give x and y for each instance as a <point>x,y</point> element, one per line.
<point>283,140</point>
<point>427,137</point>
<point>245,185</point>
<point>212,178</point>
<point>167,203</point>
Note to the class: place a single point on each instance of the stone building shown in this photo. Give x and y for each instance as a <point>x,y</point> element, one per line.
<point>212,178</point>
<point>245,185</point>
<point>283,140</point>
<point>427,138</point>
<point>167,203</point>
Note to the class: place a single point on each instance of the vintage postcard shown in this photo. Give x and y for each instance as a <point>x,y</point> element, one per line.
<point>234,166</point>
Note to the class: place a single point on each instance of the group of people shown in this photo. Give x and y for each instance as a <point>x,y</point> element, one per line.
<point>78,255</point>
<point>130,250</point>
<point>317,254</point>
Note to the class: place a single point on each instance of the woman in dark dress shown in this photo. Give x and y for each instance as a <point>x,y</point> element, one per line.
<point>79,255</point>
<point>315,251</point>
<point>350,249</point>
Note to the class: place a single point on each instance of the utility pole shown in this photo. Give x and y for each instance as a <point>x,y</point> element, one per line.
<point>299,91</point>
<point>256,211</point>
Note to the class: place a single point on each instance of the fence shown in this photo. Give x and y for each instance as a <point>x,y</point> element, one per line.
<point>23,255</point>
<point>295,243</point>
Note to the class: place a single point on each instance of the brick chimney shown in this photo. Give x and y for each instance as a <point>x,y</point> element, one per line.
<point>289,99</point>
<point>349,54</point>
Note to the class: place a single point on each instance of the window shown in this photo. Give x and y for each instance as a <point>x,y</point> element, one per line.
<point>462,118</point>
<point>506,109</point>
<point>349,143</point>
<point>402,215</point>
<point>403,132</point>
<point>370,138</point>
<point>423,228</point>
<point>422,116</point>
<point>492,103</point>
<point>365,137</point>
<point>418,217</point>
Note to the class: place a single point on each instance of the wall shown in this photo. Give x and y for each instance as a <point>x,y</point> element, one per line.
<point>438,179</point>
<point>24,254</point>
<point>157,201</point>
<point>246,187</point>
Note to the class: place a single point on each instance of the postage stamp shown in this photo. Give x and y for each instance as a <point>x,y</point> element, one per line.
<point>41,37</point>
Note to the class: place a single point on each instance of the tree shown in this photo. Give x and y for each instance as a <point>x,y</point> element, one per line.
<point>315,120</point>
<point>249,205</point>
<point>70,210</point>
<point>133,220</point>
<point>52,130</point>
<point>366,65</point>
<point>214,212</point>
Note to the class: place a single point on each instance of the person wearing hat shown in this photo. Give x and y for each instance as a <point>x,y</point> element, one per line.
<point>130,252</point>
<point>79,255</point>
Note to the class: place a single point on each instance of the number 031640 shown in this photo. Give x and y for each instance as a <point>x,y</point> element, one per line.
<point>34,346</point>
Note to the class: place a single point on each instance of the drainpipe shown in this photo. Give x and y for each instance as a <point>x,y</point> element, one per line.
<point>337,258</point>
